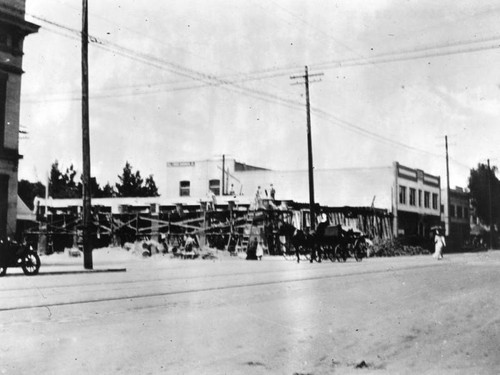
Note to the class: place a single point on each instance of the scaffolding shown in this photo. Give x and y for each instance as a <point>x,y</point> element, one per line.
<point>230,227</point>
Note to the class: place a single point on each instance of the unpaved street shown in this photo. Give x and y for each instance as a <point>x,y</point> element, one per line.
<point>390,315</point>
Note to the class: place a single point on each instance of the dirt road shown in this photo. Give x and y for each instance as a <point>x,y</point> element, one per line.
<point>409,315</point>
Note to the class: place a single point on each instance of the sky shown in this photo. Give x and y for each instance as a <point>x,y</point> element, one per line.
<point>185,80</point>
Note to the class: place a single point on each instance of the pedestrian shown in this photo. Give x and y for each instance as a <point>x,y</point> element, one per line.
<point>439,244</point>
<point>211,200</point>
<point>231,191</point>
<point>258,200</point>
<point>272,192</point>
<point>260,250</point>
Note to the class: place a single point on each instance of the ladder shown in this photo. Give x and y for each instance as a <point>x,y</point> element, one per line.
<point>245,240</point>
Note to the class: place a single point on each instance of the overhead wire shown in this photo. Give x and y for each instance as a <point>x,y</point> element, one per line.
<point>386,58</point>
<point>211,80</point>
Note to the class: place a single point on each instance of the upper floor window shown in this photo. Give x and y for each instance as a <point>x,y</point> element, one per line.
<point>434,201</point>
<point>184,188</point>
<point>413,197</point>
<point>402,194</point>
<point>452,210</point>
<point>419,198</point>
<point>427,199</point>
<point>214,185</point>
<point>459,212</point>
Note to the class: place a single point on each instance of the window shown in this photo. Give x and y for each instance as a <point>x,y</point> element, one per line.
<point>427,199</point>
<point>184,188</point>
<point>419,198</point>
<point>214,185</point>
<point>466,212</point>
<point>459,212</point>
<point>402,194</point>
<point>434,201</point>
<point>413,196</point>
<point>452,210</point>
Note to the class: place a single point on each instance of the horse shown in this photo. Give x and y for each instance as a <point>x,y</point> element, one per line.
<point>298,238</point>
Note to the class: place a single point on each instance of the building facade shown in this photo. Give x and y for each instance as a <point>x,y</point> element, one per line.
<point>416,201</point>
<point>413,196</point>
<point>13,29</point>
<point>457,216</point>
<point>361,187</point>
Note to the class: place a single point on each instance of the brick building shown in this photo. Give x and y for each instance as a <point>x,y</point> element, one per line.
<point>13,29</point>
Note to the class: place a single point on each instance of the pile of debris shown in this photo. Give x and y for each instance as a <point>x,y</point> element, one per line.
<point>396,247</point>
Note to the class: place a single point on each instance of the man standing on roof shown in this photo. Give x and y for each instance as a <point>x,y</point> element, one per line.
<point>257,198</point>
<point>272,192</point>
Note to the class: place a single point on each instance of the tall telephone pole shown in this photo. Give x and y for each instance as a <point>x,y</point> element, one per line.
<point>309,147</point>
<point>87,206</point>
<point>223,175</point>
<point>490,203</point>
<point>447,218</point>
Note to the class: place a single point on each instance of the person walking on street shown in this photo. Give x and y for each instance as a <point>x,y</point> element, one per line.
<point>260,250</point>
<point>439,245</point>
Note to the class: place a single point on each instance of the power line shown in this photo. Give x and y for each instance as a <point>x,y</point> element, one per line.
<point>417,53</point>
<point>210,80</point>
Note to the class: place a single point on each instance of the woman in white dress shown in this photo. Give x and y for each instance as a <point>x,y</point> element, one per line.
<point>259,250</point>
<point>439,244</point>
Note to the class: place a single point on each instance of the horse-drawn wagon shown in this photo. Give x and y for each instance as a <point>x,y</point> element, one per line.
<point>328,242</point>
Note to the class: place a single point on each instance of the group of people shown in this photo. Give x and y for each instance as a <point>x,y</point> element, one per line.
<point>258,195</point>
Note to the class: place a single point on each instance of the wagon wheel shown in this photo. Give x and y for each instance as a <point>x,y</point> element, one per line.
<point>359,250</point>
<point>340,253</point>
<point>324,253</point>
<point>31,263</point>
<point>330,253</point>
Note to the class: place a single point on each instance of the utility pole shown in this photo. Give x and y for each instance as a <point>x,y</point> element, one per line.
<point>309,146</point>
<point>447,218</point>
<point>87,206</point>
<point>223,174</point>
<point>490,203</point>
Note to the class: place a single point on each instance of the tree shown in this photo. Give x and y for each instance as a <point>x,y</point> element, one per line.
<point>150,189</point>
<point>63,185</point>
<point>27,191</point>
<point>131,184</point>
<point>480,181</point>
<point>108,191</point>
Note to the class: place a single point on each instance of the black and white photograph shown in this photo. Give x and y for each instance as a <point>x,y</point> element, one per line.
<point>291,187</point>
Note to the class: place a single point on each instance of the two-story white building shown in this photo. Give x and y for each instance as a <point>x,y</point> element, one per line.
<point>416,201</point>
<point>412,195</point>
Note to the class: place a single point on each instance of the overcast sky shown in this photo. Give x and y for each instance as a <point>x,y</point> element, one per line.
<point>190,80</point>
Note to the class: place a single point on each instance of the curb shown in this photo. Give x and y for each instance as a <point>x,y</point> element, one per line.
<point>68,272</point>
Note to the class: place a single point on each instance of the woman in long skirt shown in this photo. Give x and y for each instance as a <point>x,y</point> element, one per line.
<point>439,244</point>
